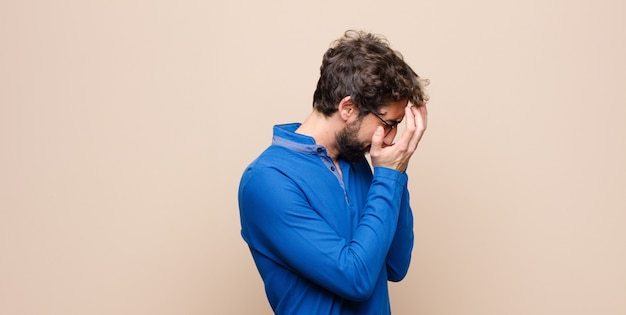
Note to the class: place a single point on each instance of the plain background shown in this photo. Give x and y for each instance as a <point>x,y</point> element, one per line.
<point>125,127</point>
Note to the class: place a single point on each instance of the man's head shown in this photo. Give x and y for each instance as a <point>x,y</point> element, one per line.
<point>361,75</point>
<point>353,140</point>
<point>363,66</point>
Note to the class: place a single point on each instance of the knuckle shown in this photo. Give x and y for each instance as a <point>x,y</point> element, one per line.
<point>403,148</point>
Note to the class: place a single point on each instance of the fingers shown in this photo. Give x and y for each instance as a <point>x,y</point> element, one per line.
<point>377,141</point>
<point>408,132</point>
<point>421,119</point>
<point>424,115</point>
<point>397,155</point>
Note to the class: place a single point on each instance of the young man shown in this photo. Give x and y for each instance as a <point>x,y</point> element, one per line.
<point>327,233</point>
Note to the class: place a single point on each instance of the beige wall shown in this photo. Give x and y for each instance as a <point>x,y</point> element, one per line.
<point>125,125</point>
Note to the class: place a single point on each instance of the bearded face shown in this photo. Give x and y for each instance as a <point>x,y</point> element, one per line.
<point>349,147</point>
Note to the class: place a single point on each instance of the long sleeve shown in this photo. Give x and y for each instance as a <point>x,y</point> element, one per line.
<point>279,223</point>
<point>399,256</point>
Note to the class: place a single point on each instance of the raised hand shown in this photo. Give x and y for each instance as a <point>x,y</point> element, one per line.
<point>397,156</point>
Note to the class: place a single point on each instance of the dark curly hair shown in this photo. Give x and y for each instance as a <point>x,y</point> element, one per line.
<point>363,66</point>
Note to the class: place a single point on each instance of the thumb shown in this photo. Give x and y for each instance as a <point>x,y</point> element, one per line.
<point>377,140</point>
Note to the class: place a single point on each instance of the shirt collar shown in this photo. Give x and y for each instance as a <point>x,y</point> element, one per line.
<point>285,135</point>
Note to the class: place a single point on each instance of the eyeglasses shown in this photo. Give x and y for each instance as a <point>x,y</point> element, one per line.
<point>389,126</point>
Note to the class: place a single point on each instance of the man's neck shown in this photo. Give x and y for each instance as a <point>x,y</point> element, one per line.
<point>323,129</point>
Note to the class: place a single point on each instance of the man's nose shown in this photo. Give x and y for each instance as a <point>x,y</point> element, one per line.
<point>388,139</point>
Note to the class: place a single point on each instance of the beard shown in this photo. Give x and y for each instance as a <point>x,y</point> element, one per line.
<point>349,147</point>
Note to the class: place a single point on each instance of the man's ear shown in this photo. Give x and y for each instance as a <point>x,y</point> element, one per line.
<point>347,109</point>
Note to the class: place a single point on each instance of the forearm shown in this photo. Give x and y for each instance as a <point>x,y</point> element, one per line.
<point>399,256</point>
<point>280,224</point>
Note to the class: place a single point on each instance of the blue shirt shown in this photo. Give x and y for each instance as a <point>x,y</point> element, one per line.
<point>324,243</point>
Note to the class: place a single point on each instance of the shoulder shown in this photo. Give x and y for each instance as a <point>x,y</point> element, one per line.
<point>276,164</point>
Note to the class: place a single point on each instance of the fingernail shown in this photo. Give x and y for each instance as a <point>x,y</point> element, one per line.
<point>379,130</point>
